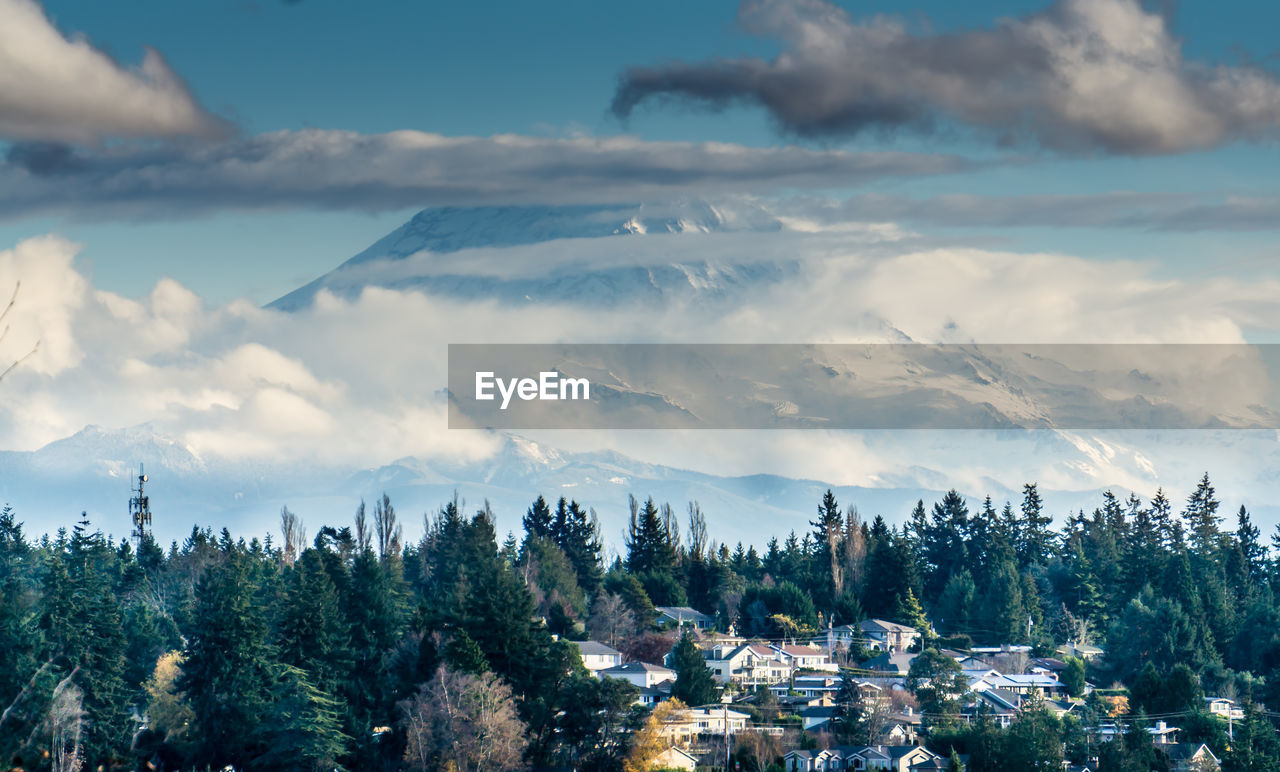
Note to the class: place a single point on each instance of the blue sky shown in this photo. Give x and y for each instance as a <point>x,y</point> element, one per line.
<point>484,68</point>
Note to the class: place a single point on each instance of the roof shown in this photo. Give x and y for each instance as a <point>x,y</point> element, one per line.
<point>882,626</point>
<point>596,648</point>
<point>1184,751</point>
<point>801,651</point>
<point>638,667</point>
<point>684,612</point>
<point>897,662</point>
<point>686,754</point>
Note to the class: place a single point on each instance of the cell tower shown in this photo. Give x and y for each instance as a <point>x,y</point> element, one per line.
<point>140,509</point>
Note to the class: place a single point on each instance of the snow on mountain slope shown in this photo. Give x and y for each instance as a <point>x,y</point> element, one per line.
<point>446,230</point>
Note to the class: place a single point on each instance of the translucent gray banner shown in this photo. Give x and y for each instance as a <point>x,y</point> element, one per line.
<point>864,386</point>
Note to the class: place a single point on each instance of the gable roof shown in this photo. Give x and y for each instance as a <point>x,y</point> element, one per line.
<point>638,667</point>
<point>685,613</point>
<point>596,648</point>
<point>883,626</point>
<point>897,662</point>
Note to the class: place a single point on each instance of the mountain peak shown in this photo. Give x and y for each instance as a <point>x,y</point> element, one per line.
<point>442,230</point>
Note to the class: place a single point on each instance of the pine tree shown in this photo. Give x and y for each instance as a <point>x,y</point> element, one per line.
<point>538,522</point>
<point>226,671</point>
<point>694,683</point>
<point>1034,527</point>
<point>1201,516</point>
<point>313,631</point>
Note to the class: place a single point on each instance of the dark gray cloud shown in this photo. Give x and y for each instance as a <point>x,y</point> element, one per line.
<point>1080,76</point>
<point>321,169</point>
<point>1179,212</point>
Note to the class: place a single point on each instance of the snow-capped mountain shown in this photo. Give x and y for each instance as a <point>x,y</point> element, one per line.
<point>447,230</point>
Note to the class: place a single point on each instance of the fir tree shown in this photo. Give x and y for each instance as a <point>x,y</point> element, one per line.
<point>694,683</point>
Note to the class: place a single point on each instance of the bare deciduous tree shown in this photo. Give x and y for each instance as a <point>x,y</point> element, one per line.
<point>4,332</point>
<point>364,537</point>
<point>385,527</point>
<point>295,535</point>
<point>66,724</point>
<point>611,621</point>
<point>463,721</point>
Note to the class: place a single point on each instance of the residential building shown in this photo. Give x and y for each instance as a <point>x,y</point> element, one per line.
<point>749,665</point>
<point>675,758</point>
<point>702,722</point>
<point>806,658</point>
<point>596,656</point>
<point>896,758</point>
<point>1191,757</point>
<point>641,674</point>
<point>1221,706</point>
<point>887,636</point>
<point>897,662</point>
<point>1081,650</point>
<point>680,616</point>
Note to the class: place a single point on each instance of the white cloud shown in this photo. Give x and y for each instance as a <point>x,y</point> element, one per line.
<point>59,89</point>
<point>358,382</point>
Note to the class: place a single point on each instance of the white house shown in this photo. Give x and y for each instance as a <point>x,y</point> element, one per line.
<point>641,674</point>
<point>806,658</point>
<point>877,634</point>
<point>748,665</point>
<point>694,722</point>
<point>1221,706</point>
<point>596,656</point>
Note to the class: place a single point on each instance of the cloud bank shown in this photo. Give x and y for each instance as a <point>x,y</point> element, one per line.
<point>1081,76</point>
<point>54,88</point>
<point>332,169</point>
<point>359,381</point>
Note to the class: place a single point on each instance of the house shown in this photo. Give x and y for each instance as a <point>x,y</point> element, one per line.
<point>808,687</point>
<point>1162,735</point>
<point>702,722</point>
<point>650,696</point>
<point>596,656</point>
<point>806,658</point>
<point>679,616</point>
<point>1221,706</point>
<point>891,662</point>
<point>674,758</point>
<point>897,758</point>
<point>749,665</point>
<point>1082,650</point>
<point>1191,757</point>
<point>641,674</point>
<point>819,717</point>
<point>876,634</point>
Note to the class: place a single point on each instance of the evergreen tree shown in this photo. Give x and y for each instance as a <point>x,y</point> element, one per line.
<point>1201,517</point>
<point>1034,527</point>
<point>694,683</point>
<point>226,671</point>
<point>302,732</point>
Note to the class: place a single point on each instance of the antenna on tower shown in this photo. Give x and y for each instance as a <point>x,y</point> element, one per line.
<point>140,509</point>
